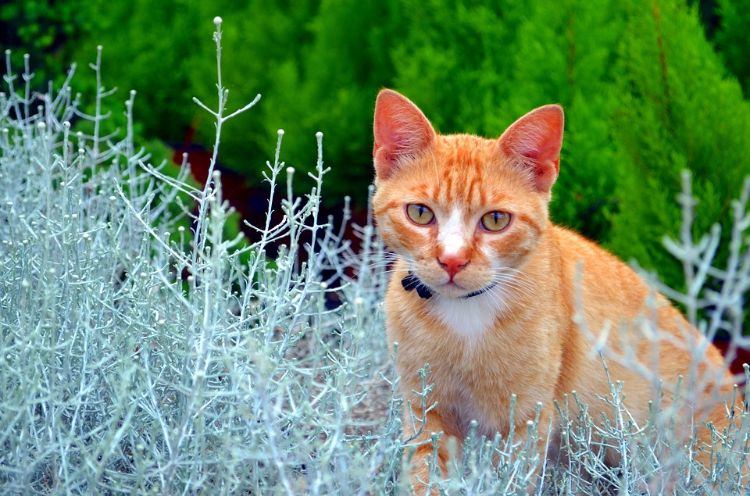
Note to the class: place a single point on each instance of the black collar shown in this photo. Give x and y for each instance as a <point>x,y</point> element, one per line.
<point>412,282</point>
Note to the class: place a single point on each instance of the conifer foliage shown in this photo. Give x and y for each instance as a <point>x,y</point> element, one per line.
<point>645,93</point>
<point>732,39</point>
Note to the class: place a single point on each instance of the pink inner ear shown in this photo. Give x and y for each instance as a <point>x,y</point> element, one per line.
<point>537,137</point>
<point>401,131</point>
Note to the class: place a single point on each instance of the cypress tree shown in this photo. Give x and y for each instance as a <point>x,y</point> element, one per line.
<point>677,110</point>
<point>732,39</point>
<point>564,54</point>
<point>332,88</point>
<point>454,61</point>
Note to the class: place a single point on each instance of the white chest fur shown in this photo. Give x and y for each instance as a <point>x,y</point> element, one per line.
<point>469,318</point>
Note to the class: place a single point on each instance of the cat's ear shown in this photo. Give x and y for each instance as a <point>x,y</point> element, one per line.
<point>534,141</point>
<point>401,131</point>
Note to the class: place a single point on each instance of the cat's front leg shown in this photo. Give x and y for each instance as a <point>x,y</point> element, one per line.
<point>432,433</point>
<point>536,443</point>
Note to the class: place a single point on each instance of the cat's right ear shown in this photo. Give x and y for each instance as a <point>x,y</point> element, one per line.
<point>402,132</point>
<point>534,142</point>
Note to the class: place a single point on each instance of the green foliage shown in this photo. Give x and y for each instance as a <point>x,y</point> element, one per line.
<point>644,93</point>
<point>151,47</point>
<point>453,61</point>
<point>732,39</point>
<point>327,84</point>
<point>678,111</point>
<point>565,55</point>
<point>41,28</point>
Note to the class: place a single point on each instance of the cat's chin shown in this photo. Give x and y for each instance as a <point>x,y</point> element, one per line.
<point>456,291</point>
<point>453,290</point>
<point>450,289</point>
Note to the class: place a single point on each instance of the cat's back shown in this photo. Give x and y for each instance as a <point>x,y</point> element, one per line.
<point>611,295</point>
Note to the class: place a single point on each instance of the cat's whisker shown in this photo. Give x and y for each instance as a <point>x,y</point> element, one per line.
<point>376,265</point>
<point>518,287</point>
<point>500,299</point>
<point>517,281</point>
<point>506,295</point>
<point>390,271</point>
<point>514,282</point>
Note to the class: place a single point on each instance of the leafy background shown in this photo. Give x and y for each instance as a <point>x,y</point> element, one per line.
<point>650,87</point>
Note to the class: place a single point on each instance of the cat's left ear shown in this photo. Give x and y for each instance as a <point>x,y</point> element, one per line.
<point>534,141</point>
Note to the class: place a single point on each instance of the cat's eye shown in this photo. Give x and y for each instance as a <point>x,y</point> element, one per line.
<point>495,221</point>
<point>419,214</point>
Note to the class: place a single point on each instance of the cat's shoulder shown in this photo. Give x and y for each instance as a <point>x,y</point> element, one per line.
<point>598,264</point>
<point>572,244</point>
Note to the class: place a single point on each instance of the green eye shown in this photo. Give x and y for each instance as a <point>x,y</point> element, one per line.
<point>495,221</point>
<point>419,214</point>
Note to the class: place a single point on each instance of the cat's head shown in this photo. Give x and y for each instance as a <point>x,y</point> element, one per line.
<point>464,211</point>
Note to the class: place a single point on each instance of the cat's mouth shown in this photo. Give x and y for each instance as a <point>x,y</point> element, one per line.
<point>455,290</point>
<point>450,289</point>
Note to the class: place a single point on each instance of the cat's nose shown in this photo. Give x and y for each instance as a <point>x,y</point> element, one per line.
<point>453,264</point>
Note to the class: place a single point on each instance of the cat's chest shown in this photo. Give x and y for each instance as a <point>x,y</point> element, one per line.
<point>463,394</point>
<point>485,389</point>
<point>467,319</point>
<point>477,360</point>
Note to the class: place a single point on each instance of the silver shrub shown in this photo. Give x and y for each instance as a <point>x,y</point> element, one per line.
<point>137,356</point>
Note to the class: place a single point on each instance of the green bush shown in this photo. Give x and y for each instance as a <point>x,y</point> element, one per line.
<point>43,30</point>
<point>732,39</point>
<point>151,47</point>
<point>644,92</point>
<point>678,111</point>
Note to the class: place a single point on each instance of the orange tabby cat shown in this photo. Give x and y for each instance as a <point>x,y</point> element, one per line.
<point>485,286</point>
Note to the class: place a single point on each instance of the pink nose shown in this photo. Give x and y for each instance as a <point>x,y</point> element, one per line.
<point>453,264</point>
